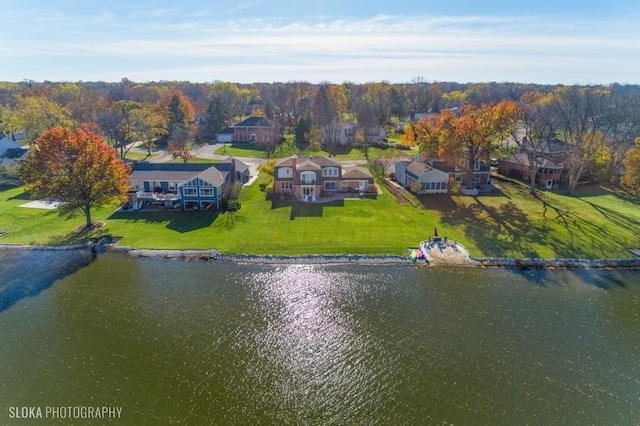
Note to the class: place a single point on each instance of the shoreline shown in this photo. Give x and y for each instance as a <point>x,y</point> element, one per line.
<point>339,259</point>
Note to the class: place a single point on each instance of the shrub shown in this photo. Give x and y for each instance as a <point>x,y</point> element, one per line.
<point>233,205</point>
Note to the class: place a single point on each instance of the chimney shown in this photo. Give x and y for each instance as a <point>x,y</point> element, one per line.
<point>232,171</point>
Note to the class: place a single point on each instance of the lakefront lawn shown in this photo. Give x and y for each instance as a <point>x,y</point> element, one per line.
<point>595,223</point>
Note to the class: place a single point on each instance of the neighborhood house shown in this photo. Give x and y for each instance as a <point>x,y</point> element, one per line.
<point>307,178</point>
<point>186,186</point>
<point>251,130</point>
<point>548,162</point>
<point>432,176</point>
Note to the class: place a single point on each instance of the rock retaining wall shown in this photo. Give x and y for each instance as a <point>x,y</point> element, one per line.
<point>533,263</point>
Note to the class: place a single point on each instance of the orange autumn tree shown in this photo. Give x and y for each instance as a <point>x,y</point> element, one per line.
<point>468,136</point>
<point>76,167</point>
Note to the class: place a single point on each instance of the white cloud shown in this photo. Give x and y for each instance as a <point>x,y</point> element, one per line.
<point>471,48</point>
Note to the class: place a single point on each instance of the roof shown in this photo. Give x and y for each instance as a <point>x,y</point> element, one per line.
<point>213,176</point>
<point>417,168</point>
<point>445,167</point>
<point>7,143</point>
<point>225,166</point>
<point>254,122</point>
<point>177,172</point>
<point>554,146</point>
<point>308,164</point>
<point>523,159</point>
<point>319,161</point>
<point>356,172</point>
<point>13,153</point>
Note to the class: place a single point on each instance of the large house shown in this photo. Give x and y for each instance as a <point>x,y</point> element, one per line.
<point>251,130</point>
<point>549,161</point>
<point>434,176</point>
<point>548,172</point>
<point>421,177</point>
<point>186,186</point>
<point>307,178</point>
<point>344,133</point>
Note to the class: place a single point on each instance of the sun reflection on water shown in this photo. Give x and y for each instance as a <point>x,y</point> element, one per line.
<point>325,356</point>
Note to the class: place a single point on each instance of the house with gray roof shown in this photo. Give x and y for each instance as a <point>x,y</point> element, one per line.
<point>185,186</point>
<point>421,177</point>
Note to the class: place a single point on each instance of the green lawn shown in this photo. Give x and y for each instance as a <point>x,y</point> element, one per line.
<point>596,223</point>
<point>242,150</point>
<point>196,160</point>
<point>288,148</point>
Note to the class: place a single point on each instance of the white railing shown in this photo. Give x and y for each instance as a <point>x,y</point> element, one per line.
<point>157,196</point>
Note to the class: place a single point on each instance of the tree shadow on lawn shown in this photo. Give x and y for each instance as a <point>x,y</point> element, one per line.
<point>302,209</point>
<point>615,217</point>
<point>446,203</point>
<point>499,231</point>
<point>77,236</point>
<point>574,221</point>
<point>181,222</point>
<point>22,196</point>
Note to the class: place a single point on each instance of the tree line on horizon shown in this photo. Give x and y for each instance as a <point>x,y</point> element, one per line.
<point>600,123</point>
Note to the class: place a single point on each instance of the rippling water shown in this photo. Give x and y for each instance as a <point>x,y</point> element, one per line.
<point>211,343</point>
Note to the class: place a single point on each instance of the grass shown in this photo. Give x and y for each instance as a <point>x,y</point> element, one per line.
<point>138,155</point>
<point>596,223</point>
<point>242,150</point>
<point>195,160</point>
<point>289,148</point>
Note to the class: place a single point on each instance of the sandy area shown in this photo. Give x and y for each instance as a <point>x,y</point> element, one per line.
<point>447,254</point>
<point>42,204</point>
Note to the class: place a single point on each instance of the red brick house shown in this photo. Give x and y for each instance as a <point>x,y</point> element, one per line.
<point>519,166</point>
<point>550,159</point>
<point>250,130</point>
<point>308,178</point>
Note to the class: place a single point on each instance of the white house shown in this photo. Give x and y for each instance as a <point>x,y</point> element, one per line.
<point>431,180</point>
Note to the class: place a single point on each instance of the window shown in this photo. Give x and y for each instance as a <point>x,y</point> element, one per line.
<point>330,172</point>
<point>344,183</point>
<point>287,186</point>
<point>206,192</point>
<point>308,178</point>
<point>285,172</point>
<point>190,191</point>
<point>172,186</point>
<point>329,186</point>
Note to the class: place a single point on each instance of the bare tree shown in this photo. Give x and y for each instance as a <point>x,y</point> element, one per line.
<point>179,145</point>
<point>622,120</point>
<point>535,130</point>
<point>325,117</point>
<point>580,111</point>
<point>368,123</point>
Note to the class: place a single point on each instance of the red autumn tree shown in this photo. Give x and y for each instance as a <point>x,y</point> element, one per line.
<point>469,136</point>
<point>76,167</point>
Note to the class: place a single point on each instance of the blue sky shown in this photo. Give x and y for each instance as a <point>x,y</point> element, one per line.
<point>542,41</point>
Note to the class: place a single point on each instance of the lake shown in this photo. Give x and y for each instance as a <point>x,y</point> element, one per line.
<point>205,342</point>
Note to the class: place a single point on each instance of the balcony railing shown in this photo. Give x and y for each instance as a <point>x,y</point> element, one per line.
<point>307,181</point>
<point>142,195</point>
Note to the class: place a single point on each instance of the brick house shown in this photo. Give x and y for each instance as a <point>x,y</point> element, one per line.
<point>308,178</point>
<point>251,130</point>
